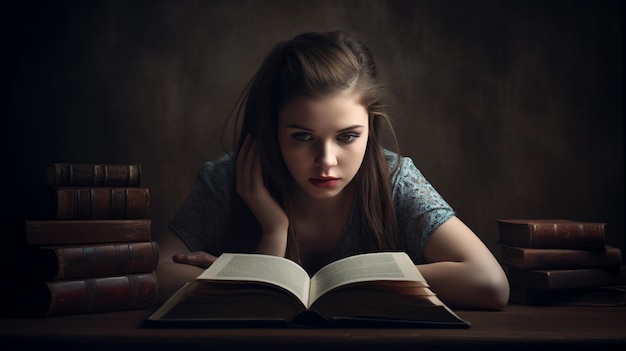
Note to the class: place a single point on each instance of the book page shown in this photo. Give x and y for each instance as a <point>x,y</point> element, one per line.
<point>365,267</point>
<point>260,268</point>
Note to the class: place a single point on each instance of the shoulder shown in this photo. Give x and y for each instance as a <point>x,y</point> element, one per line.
<point>420,209</point>
<point>410,187</point>
<point>402,167</point>
<point>218,173</point>
<point>201,219</point>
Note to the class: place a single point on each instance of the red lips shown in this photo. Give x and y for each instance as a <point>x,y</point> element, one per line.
<point>324,182</point>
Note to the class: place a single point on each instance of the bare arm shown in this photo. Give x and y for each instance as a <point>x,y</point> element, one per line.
<point>177,265</point>
<point>273,220</point>
<point>171,273</point>
<point>463,272</point>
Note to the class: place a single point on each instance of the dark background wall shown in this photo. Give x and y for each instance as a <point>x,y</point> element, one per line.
<point>510,108</point>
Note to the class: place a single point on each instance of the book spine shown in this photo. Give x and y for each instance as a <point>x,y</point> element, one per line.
<point>567,235</point>
<point>565,278</point>
<point>76,262</point>
<point>528,258</point>
<point>103,294</point>
<point>101,203</point>
<point>56,232</point>
<point>590,296</point>
<point>102,175</point>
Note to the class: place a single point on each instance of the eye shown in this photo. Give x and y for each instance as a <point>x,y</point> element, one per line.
<point>348,137</point>
<point>302,136</point>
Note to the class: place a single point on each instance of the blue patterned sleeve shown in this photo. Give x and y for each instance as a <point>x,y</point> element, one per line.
<point>420,209</point>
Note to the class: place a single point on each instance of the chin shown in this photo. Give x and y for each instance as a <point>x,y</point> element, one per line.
<point>323,194</point>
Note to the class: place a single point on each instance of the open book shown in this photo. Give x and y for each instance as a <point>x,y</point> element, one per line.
<point>370,289</point>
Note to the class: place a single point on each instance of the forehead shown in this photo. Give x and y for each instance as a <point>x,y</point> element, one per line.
<point>340,107</point>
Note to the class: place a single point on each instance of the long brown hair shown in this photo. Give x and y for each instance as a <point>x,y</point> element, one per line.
<point>317,64</point>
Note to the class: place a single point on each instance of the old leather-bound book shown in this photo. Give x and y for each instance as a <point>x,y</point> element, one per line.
<point>530,258</point>
<point>90,174</point>
<point>38,298</point>
<point>81,231</point>
<point>98,203</point>
<point>63,262</point>
<point>551,234</point>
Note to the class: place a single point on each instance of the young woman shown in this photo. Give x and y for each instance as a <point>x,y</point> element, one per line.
<point>313,181</point>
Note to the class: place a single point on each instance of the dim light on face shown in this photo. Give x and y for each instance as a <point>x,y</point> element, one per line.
<point>323,142</point>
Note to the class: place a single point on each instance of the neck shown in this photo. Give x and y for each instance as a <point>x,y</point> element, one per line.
<point>305,204</point>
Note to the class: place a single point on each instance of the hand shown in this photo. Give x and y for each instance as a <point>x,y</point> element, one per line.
<point>196,258</point>
<point>272,218</point>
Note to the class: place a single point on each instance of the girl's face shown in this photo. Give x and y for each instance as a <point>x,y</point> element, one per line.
<point>323,142</point>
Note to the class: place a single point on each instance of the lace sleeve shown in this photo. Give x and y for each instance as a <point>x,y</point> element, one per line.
<point>420,209</point>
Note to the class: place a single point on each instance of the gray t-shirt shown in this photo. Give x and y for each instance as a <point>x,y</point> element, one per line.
<point>202,220</point>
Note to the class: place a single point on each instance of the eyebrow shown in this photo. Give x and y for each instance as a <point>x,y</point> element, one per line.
<point>297,126</point>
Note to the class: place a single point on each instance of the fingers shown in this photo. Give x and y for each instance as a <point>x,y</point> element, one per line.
<point>196,258</point>
<point>251,188</point>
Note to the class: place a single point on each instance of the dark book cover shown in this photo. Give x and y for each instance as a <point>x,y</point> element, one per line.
<point>531,258</point>
<point>38,298</point>
<point>63,262</point>
<point>98,203</point>
<point>565,278</point>
<point>551,234</point>
<point>91,175</point>
<point>68,232</point>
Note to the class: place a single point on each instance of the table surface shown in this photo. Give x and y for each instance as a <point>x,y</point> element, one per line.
<point>516,327</point>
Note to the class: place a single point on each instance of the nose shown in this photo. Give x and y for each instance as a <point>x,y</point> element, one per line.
<point>325,155</point>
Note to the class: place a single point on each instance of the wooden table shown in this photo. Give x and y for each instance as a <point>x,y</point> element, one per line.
<point>518,327</point>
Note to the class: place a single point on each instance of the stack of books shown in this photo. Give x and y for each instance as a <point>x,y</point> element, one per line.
<point>92,249</point>
<point>561,262</point>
